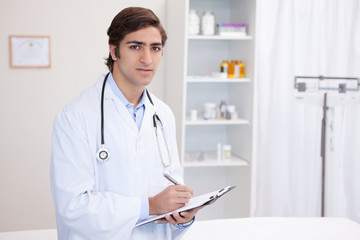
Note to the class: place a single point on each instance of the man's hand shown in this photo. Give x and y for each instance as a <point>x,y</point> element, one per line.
<point>171,198</point>
<point>182,217</point>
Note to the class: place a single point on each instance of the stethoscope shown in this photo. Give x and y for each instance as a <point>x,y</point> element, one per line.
<point>103,154</point>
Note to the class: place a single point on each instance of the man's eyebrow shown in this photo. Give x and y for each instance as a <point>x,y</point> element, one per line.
<point>156,44</point>
<point>142,43</point>
<point>136,42</point>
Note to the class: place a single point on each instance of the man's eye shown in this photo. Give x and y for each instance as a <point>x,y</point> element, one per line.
<point>157,49</point>
<point>135,47</point>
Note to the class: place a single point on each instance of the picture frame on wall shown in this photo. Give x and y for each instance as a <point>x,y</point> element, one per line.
<point>30,51</point>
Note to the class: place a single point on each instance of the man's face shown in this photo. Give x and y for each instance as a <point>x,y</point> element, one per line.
<point>140,54</point>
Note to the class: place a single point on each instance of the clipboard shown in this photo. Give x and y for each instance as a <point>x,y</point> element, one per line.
<point>195,202</point>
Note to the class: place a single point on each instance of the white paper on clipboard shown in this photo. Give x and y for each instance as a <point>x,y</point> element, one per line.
<point>194,202</point>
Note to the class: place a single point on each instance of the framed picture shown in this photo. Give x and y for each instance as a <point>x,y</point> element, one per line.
<point>30,51</point>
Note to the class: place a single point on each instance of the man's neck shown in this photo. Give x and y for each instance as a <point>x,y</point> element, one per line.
<point>131,92</point>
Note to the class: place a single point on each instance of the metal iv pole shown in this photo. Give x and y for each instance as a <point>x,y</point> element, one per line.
<point>341,88</point>
<point>323,155</point>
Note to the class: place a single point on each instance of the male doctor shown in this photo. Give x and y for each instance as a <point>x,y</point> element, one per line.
<point>104,197</point>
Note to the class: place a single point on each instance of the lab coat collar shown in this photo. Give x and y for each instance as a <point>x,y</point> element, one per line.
<point>120,106</point>
<point>121,96</point>
<point>109,94</point>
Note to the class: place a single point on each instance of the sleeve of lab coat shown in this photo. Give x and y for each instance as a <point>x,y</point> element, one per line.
<point>91,214</point>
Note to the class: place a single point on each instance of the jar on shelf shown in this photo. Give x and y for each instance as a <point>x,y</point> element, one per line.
<point>193,22</point>
<point>226,152</point>
<point>209,111</point>
<point>208,23</point>
<point>232,112</point>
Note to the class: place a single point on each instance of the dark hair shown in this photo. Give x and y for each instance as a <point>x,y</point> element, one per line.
<point>130,20</point>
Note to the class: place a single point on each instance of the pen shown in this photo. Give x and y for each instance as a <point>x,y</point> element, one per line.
<point>171,179</point>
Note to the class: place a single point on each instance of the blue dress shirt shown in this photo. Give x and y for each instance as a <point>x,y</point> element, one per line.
<point>137,114</point>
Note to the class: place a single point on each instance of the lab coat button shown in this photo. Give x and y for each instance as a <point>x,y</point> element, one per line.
<point>137,176</point>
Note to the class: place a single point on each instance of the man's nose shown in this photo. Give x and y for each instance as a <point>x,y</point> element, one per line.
<point>146,57</point>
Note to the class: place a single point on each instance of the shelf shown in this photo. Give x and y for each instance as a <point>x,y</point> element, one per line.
<point>209,79</point>
<point>211,161</point>
<point>217,122</point>
<point>218,37</point>
<point>193,69</point>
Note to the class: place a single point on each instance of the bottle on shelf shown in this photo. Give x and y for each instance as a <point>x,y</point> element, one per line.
<point>242,70</point>
<point>222,110</point>
<point>193,22</point>
<point>224,67</point>
<point>234,70</point>
<point>209,111</point>
<point>226,152</point>
<point>193,114</point>
<point>218,152</point>
<point>208,23</point>
<point>232,114</point>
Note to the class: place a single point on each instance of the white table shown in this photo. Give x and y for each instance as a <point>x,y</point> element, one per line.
<point>243,228</point>
<point>45,234</point>
<point>275,229</point>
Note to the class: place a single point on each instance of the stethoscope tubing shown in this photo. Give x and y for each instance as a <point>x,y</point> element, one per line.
<point>102,109</point>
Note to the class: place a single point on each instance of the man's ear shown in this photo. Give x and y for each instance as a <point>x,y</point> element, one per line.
<point>112,49</point>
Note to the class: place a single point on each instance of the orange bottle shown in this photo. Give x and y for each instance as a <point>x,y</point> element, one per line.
<point>224,67</point>
<point>242,70</point>
<point>232,66</point>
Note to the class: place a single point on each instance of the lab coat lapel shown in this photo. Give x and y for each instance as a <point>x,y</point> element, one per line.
<point>148,115</point>
<point>111,98</point>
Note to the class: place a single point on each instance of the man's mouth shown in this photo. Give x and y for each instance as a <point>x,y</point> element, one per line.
<point>144,70</point>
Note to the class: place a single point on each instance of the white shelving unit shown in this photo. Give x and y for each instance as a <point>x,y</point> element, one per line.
<point>190,61</point>
<point>211,161</point>
<point>207,79</point>
<point>216,122</point>
<point>217,37</point>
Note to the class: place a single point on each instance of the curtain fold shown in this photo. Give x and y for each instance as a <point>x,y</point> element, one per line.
<point>304,38</point>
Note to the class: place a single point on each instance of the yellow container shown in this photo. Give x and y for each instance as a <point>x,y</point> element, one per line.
<point>224,67</point>
<point>232,66</point>
<point>242,70</point>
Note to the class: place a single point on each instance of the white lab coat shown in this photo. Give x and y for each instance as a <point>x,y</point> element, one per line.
<point>101,200</point>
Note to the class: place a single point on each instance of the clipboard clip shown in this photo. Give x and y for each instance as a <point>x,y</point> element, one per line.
<point>221,192</point>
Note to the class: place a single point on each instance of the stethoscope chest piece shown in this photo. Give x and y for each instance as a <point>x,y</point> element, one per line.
<point>103,154</point>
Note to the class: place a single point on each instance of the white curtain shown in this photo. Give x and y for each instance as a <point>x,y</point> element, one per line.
<point>304,38</point>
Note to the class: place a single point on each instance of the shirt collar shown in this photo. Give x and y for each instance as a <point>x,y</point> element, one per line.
<point>121,96</point>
